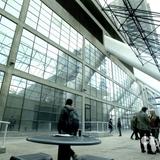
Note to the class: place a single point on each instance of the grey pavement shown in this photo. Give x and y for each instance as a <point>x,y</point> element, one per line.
<point>118,148</point>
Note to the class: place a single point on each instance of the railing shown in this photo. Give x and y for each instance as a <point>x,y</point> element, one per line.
<point>4,136</point>
<point>97,126</point>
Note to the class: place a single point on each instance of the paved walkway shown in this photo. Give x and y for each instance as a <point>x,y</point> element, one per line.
<point>118,148</point>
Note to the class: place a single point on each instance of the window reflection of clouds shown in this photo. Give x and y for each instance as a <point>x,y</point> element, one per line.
<point>7,29</point>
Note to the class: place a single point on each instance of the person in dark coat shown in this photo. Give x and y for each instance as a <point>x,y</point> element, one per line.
<point>12,121</point>
<point>119,126</point>
<point>143,128</point>
<point>154,122</point>
<point>65,151</point>
<point>134,127</point>
<point>110,126</point>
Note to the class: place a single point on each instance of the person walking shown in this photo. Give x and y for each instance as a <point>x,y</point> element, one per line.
<point>110,126</point>
<point>134,127</point>
<point>119,126</point>
<point>144,129</point>
<point>12,121</point>
<point>68,124</point>
<point>154,122</point>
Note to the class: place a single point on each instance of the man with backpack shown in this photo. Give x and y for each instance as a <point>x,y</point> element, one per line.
<point>68,124</point>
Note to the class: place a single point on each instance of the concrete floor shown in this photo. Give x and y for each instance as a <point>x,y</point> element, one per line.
<point>118,148</point>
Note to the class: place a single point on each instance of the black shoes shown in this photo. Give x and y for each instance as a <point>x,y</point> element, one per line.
<point>150,152</point>
<point>74,157</point>
<point>135,138</point>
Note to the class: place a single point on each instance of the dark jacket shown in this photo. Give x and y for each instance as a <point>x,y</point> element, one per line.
<point>134,123</point>
<point>154,122</point>
<point>142,121</point>
<point>110,125</point>
<point>63,126</point>
<point>119,124</point>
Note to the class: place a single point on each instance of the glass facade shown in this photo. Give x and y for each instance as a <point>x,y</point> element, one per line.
<point>53,61</point>
<point>1,78</point>
<point>6,37</point>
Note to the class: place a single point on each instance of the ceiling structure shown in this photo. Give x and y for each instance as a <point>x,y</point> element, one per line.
<point>139,27</point>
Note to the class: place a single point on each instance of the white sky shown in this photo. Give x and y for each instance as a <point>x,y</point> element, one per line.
<point>155,6</point>
<point>147,79</point>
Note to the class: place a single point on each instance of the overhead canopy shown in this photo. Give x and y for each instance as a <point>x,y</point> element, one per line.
<point>139,24</point>
<point>126,54</point>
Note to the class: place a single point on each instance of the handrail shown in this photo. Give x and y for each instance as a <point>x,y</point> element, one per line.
<point>5,122</point>
<point>5,132</point>
<point>103,125</point>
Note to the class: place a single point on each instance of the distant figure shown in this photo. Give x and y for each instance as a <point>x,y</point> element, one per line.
<point>119,126</point>
<point>110,126</point>
<point>12,123</point>
<point>134,127</point>
<point>68,124</point>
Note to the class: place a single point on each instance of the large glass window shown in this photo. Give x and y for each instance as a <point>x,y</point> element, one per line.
<point>39,58</point>
<point>35,106</point>
<point>48,23</point>
<point>96,114</point>
<point>7,29</point>
<point>98,85</point>
<point>11,6</point>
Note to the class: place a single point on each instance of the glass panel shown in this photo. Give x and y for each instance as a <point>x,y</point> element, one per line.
<point>11,6</point>
<point>1,78</point>
<point>39,58</point>
<point>48,23</point>
<point>7,29</point>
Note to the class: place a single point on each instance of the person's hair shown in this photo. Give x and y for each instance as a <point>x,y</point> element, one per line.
<point>69,102</point>
<point>153,113</point>
<point>144,109</point>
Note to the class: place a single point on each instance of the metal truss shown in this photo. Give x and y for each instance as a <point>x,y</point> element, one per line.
<point>138,26</point>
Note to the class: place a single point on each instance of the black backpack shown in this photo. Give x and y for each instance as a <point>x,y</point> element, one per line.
<point>73,121</point>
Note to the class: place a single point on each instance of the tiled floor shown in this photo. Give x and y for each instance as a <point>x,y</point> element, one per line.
<point>119,148</point>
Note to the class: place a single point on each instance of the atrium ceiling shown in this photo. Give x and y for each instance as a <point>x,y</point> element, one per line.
<point>139,27</point>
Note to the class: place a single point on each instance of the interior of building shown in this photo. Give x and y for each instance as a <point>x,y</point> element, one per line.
<point>83,50</point>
